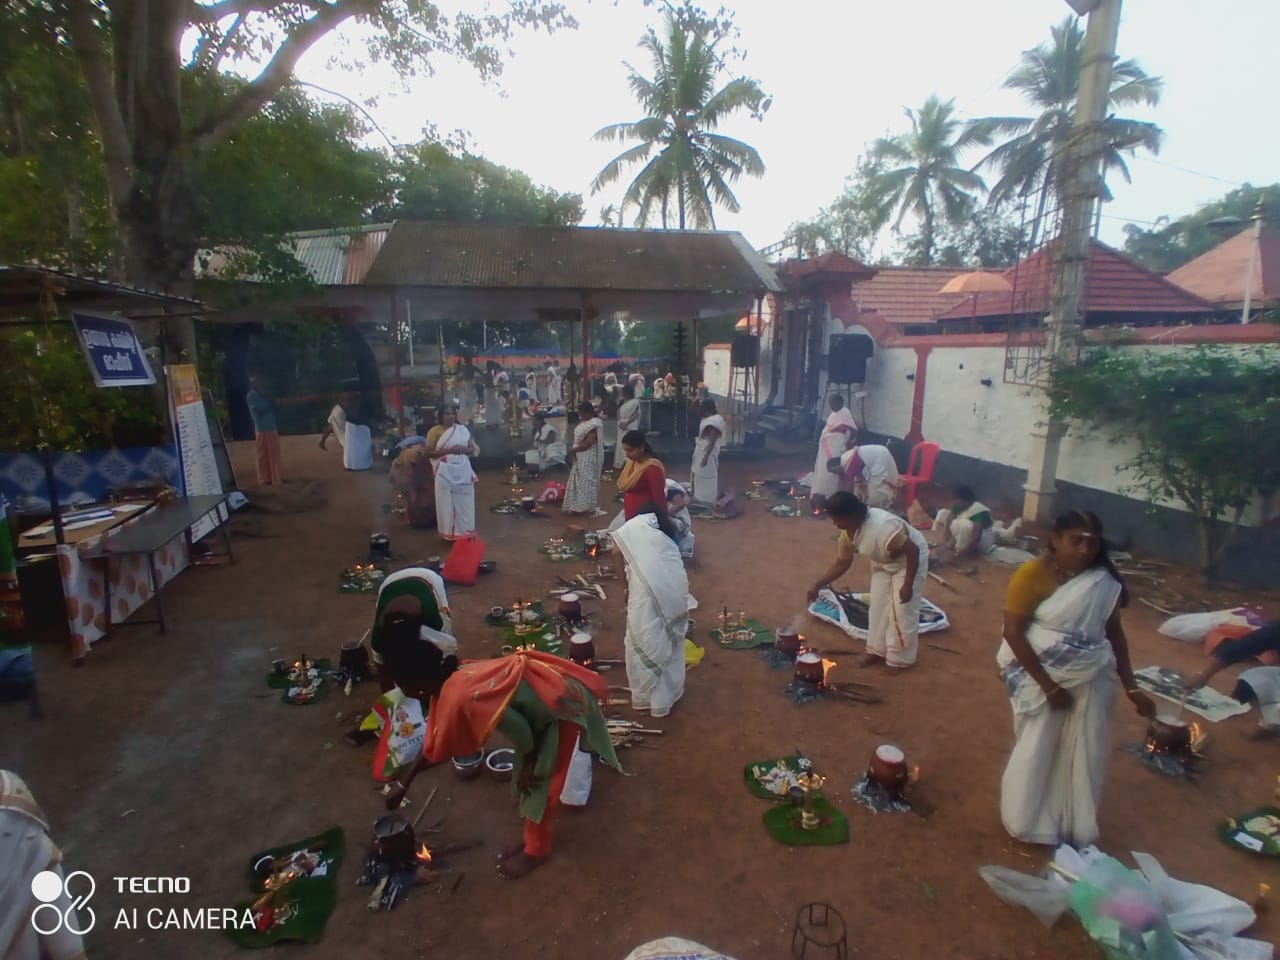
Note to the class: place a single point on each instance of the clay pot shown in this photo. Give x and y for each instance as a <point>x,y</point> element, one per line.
<point>787,641</point>
<point>528,504</point>
<point>468,767</point>
<point>889,768</point>
<point>570,607</point>
<point>393,839</point>
<point>582,649</point>
<point>809,667</point>
<point>500,763</point>
<point>1169,734</point>
<point>380,546</point>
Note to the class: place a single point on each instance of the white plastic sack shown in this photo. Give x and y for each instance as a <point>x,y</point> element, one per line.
<point>674,948</point>
<point>577,782</point>
<point>828,609</point>
<point>1194,627</point>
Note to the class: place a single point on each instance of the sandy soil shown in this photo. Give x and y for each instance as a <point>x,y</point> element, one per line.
<point>166,755</point>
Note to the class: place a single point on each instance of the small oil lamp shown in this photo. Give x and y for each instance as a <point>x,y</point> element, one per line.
<point>810,782</point>
<point>514,480</point>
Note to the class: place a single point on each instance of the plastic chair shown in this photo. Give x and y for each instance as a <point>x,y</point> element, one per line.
<point>919,468</point>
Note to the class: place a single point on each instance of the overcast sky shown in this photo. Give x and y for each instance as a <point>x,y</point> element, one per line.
<point>840,74</point>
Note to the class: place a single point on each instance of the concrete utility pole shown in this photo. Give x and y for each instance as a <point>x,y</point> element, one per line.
<point>1081,189</point>
<point>1252,270</point>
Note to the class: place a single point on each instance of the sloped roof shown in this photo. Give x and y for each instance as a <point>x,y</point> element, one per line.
<point>334,257</point>
<point>829,265</point>
<point>496,257</point>
<point>26,288</point>
<point>1219,275</point>
<point>1114,284</point>
<point>907,295</point>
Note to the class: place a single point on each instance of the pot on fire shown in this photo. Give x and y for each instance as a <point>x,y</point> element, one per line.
<point>582,649</point>
<point>393,840</point>
<point>809,667</point>
<point>570,607</point>
<point>889,768</point>
<point>1169,734</point>
<point>787,641</point>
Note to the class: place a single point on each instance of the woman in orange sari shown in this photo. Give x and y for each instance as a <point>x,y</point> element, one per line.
<point>539,702</point>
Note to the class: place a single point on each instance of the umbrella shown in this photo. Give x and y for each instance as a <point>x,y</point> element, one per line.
<point>974,285</point>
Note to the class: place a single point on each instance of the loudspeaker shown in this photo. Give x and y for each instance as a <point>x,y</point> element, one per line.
<point>745,351</point>
<point>847,357</point>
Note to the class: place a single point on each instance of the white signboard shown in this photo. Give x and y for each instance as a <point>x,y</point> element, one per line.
<point>196,455</point>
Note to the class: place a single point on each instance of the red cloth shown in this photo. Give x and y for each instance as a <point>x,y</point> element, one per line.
<point>267,443</point>
<point>467,710</point>
<point>652,488</point>
<point>537,836</point>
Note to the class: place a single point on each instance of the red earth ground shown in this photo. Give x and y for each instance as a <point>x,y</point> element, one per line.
<point>166,755</point>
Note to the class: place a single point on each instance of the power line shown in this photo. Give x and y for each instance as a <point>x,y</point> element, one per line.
<point>1194,173</point>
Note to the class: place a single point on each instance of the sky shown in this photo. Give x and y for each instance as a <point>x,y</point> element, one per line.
<point>840,74</point>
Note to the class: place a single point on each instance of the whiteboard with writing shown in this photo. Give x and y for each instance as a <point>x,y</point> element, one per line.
<point>196,455</point>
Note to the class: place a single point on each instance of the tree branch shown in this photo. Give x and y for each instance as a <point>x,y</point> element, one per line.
<point>86,42</point>
<point>213,12</point>
<point>252,98</point>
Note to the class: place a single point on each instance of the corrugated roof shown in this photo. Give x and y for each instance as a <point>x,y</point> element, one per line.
<point>1219,275</point>
<point>24,286</point>
<point>1114,284</point>
<point>569,258</point>
<point>335,257</point>
<point>906,295</point>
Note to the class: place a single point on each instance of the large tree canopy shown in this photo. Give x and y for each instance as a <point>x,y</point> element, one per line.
<point>1169,245</point>
<point>156,131</point>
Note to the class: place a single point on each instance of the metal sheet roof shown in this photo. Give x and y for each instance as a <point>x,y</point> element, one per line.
<point>495,257</point>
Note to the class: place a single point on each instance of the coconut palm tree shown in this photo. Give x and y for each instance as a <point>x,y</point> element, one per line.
<point>1048,77</point>
<point>922,172</point>
<point>686,164</point>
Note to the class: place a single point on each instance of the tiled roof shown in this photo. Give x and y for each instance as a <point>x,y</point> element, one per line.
<point>1114,284</point>
<point>1219,275</point>
<point>906,295</point>
<point>569,258</point>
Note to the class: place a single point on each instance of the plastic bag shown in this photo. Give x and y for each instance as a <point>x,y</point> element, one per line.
<point>1047,897</point>
<point>674,948</point>
<point>1123,913</point>
<point>1192,627</point>
<point>404,728</point>
<point>577,782</point>
<point>1193,907</point>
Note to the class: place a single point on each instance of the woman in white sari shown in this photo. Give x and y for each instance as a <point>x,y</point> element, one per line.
<point>582,492</point>
<point>628,420</point>
<point>874,474</point>
<point>838,433</point>
<point>657,614</point>
<point>706,454</point>
<point>26,851</point>
<point>548,449</point>
<point>450,447</point>
<point>1063,649</point>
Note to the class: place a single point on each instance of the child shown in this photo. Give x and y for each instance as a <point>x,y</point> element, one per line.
<point>678,511</point>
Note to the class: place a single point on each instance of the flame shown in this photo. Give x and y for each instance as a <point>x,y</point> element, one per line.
<point>424,855</point>
<point>915,775</point>
<point>792,491</point>
<point>827,666</point>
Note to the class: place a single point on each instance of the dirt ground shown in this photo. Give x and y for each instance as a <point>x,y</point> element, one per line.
<point>166,755</point>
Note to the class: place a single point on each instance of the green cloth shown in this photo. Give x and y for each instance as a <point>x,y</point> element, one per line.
<point>312,898</point>
<point>982,518</point>
<point>783,824</point>
<point>1235,833</point>
<point>534,728</point>
<point>8,557</point>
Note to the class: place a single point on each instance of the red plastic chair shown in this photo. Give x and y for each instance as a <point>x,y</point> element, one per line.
<point>919,468</point>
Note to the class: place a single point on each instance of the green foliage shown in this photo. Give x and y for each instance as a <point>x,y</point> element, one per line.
<point>985,236</point>
<point>852,222</point>
<point>685,163</point>
<point>1171,244</point>
<point>1048,77</point>
<point>1204,424</point>
<point>922,174</point>
<point>432,182</point>
<point>51,402</point>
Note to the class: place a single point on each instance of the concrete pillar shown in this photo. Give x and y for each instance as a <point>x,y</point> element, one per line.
<point>1042,473</point>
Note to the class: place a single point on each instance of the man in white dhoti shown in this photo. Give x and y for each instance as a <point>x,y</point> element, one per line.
<point>354,437</point>
<point>873,472</point>
<point>899,556</point>
<point>555,388</point>
<point>451,447</point>
<point>1063,649</point>
<point>839,433</point>
<point>657,614</point>
<point>706,454</point>
<point>33,888</point>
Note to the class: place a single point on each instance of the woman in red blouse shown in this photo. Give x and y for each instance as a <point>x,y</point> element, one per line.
<point>643,480</point>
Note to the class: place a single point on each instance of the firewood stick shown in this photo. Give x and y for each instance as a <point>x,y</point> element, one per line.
<point>430,796</point>
<point>938,646</point>
<point>375,898</point>
<point>934,576</point>
<point>1167,613</point>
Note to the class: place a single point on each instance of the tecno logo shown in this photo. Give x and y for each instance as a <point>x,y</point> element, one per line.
<point>48,887</point>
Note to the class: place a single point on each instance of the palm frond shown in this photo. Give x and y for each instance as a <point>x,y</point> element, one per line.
<point>615,167</point>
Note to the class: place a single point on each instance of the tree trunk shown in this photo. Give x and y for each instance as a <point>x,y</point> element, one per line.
<point>926,236</point>
<point>680,195</point>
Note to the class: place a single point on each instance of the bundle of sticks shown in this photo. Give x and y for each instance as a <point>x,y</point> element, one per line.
<point>628,733</point>
<point>579,585</point>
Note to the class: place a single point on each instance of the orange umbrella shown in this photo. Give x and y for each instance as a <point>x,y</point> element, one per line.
<point>974,285</point>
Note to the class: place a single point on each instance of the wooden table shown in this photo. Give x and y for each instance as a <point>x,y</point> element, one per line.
<point>122,513</point>
<point>151,533</point>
